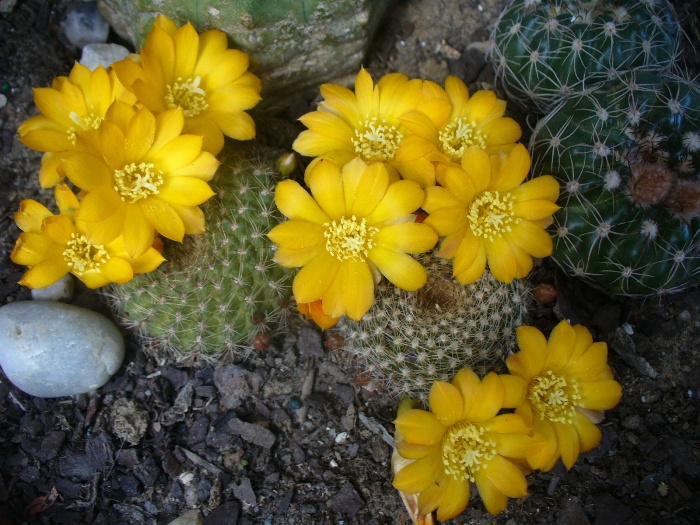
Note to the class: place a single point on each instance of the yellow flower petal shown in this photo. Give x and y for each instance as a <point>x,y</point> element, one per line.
<point>446,403</point>
<point>352,291</point>
<point>364,186</point>
<point>455,498</point>
<point>44,273</point>
<point>541,188</point>
<point>506,477</point>
<point>138,231</point>
<point>177,153</point>
<point>409,237</point>
<point>295,258</point>
<point>420,427</point>
<point>412,451</point>
<point>185,191</point>
<point>487,399</point>
<point>494,500</point>
<point>528,363</point>
<point>446,221</point>
<point>511,169</point>
<point>588,364</point>
<point>164,219</point>
<point>314,279</point>
<point>139,135</point>
<point>502,131</point>
<point>93,278</point>
<point>588,433</point>
<point>416,476</point>
<point>567,438</point>
<point>477,165</point>
<point>30,248</point>
<point>559,347</point>
<point>402,270</point>
<point>203,167</point>
<point>236,124</point>
<point>147,262</point>
<point>313,144</point>
<point>99,204</point>
<point>87,171</point>
<point>516,388</point>
<point>600,395</point>
<point>400,199</point>
<point>192,218</point>
<point>295,235</point>
<point>324,180</point>
<point>330,125</point>
<point>467,382</point>
<point>502,262</point>
<point>212,136</point>
<point>532,239</point>
<point>295,203</point>
<point>30,215</point>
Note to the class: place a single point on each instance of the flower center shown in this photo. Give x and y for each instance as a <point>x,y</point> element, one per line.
<point>457,136</point>
<point>466,450</point>
<point>491,214</point>
<point>137,181</point>
<point>376,142</point>
<point>82,256</point>
<point>349,238</point>
<point>187,95</point>
<point>90,121</point>
<point>553,397</point>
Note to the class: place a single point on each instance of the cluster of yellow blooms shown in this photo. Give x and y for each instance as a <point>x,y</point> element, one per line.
<point>139,141</point>
<point>558,388</point>
<point>382,153</point>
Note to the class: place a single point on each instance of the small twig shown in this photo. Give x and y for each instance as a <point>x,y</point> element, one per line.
<point>17,402</point>
<point>201,462</point>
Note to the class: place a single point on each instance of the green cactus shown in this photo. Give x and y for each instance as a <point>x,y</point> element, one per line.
<point>293,45</point>
<point>543,50</point>
<point>409,339</point>
<point>219,293</point>
<point>627,160</point>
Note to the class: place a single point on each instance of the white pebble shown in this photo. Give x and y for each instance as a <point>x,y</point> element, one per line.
<point>104,55</point>
<point>61,290</point>
<point>52,349</point>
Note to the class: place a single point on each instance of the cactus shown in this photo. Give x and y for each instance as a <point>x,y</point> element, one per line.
<point>627,161</point>
<point>293,45</point>
<point>544,50</point>
<point>220,292</point>
<point>409,339</point>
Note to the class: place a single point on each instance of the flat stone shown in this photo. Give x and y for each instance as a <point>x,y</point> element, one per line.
<point>347,501</point>
<point>252,433</point>
<point>61,290</point>
<point>51,349</point>
<point>226,514</point>
<point>102,54</point>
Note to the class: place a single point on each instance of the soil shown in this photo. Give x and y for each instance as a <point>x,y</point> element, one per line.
<point>288,437</point>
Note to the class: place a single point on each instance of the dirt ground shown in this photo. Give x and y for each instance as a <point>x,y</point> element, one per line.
<point>238,443</point>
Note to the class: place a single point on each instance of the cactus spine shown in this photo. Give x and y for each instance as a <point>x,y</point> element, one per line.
<point>627,159</point>
<point>219,290</point>
<point>409,339</point>
<point>543,50</point>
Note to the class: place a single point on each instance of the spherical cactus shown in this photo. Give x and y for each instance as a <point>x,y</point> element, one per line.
<point>409,339</point>
<point>627,161</point>
<point>218,292</point>
<point>545,49</point>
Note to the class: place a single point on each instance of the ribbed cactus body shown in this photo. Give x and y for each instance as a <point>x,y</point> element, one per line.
<point>217,290</point>
<point>627,159</point>
<point>544,50</point>
<point>409,339</point>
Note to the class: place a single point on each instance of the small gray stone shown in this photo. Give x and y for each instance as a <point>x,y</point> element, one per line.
<point>84,24</point>
<point>61,290</point>
<point>236,385</point>
<point>244,492</point>
<point>102,54</point>
<point>347,501</point>
<point>252,433</point>
<point>51,349</point>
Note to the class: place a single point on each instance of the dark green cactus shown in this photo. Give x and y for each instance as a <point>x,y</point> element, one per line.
<point>221,290</point>
<point>627,159</point>
<point>409,339</point>
<point>543,50</point>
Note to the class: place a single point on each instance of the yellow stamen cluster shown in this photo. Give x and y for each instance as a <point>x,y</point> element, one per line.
<point>376,142</point>
<point>90,121</point>
<point>349,238</point>
<point>491,214</point>
<point>457,136</point>
<point>554,398</point>
<point>465,450</point>
<point>137,181</point>
<point>81,256</point>
<point>187,95</point>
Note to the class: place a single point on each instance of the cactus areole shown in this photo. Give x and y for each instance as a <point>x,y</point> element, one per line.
<point>627,161</point>
<point>544,50</point>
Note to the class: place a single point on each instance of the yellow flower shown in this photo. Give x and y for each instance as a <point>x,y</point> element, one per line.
<point>368,124</point>
<point>568,382</point>
<point>355,227</point>
<point>314,312</point>
<point>475,121</point>
<point>54,245</point>
<point>200,75</point>
<point>72,105</point>
<point>461,441</point>
<point>486,213</point>
<point>139,175</point>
